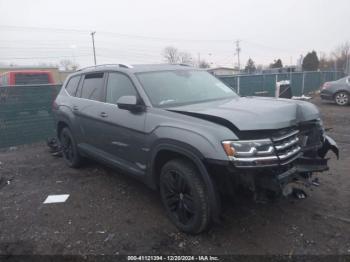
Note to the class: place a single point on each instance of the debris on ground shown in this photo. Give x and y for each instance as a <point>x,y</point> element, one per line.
<point>13,148</point>
<point>299,193</point>
<point>109,237</point>
<point>303,97</point>
<point>51,199</point>
<point>55,148</point>
<point>315,182</point>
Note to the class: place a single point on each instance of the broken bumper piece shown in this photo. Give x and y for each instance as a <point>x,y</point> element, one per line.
<point>302,166</point>
<point>329,144</point>
<point>307,165</point>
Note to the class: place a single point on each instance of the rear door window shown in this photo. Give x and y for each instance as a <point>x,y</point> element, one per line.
<point>72,85</point>
<point>93,86</point>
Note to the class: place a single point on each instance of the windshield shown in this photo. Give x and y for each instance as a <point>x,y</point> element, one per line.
<point>173,88</point>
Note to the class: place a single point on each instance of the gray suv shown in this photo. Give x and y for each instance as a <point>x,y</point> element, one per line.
<point>185,133</point>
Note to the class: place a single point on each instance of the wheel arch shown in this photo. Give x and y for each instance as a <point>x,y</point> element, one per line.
<point>166,151</point>
<point>341,90</point>
<point>59,127</point>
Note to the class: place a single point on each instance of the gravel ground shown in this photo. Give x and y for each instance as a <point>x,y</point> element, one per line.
<point>110,213</point>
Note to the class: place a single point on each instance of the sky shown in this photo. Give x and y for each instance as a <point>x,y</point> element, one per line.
<point>136,31</point>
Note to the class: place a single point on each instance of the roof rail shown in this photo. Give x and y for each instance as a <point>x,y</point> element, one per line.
<point>183,64</point>
<point>119,65</point>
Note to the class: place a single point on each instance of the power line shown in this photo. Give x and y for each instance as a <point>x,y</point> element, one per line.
<point>38,57</point>
<point>61,30</point>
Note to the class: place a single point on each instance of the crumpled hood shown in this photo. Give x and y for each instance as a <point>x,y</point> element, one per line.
<point>254,113</point>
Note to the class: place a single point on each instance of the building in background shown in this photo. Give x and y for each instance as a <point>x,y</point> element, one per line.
<point>285,69</point>
<point>223,71</point>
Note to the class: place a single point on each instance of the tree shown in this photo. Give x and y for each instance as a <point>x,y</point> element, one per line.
<point>338,60</point>
<point>250,67</point>
<point>341,57</point>
<point>171,55</point>
<point>69,65</point>
<point>325,63</point>
<point>311,62</point>
<point>203,64</point>
<point>185,58</point>
<point>276,64</point>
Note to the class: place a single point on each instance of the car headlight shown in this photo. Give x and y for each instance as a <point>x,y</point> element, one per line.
<point>251,152</point>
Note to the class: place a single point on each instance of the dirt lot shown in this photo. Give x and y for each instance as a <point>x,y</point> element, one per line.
<point>108,213</point>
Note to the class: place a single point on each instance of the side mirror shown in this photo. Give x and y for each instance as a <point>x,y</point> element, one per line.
<point>128,103</point>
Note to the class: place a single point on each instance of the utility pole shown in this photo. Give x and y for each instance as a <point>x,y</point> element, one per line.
<point>238,50</point>
<point>93,44</point>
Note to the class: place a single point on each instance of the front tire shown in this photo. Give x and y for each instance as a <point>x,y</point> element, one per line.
<point>69,149</point>
<point>341,98</point>
<point>184,196</point>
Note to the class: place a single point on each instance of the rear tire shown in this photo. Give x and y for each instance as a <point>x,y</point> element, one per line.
<point>184,196</point>
<point>69,149</point>
<point>341,98</point>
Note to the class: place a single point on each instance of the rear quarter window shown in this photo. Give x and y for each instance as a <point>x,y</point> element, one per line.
<point>93,86</point>
<point>72,85</point>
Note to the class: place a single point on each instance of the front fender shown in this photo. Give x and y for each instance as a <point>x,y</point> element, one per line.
<point>204,142</point>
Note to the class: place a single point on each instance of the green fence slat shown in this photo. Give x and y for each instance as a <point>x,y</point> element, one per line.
<point>25,114</point>
<point>264,84</point>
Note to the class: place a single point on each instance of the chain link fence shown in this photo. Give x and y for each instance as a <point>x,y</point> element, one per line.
<point>302,83</point>
<point>25,114</point>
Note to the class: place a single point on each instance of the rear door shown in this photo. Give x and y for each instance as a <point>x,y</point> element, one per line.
<point>88,107</point>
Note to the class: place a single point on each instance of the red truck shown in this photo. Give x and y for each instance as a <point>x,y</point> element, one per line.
<point>25,91</point>
<point>26,77</point>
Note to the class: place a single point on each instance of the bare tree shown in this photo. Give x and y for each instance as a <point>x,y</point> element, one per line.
<point>171,55</point>
<point>69,65</point>
<point>203,64</point>
<point>326,63</point>
<point>341,56</point>
<point>185,58</point>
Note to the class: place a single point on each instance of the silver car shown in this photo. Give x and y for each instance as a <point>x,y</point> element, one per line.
<point>338,91</point>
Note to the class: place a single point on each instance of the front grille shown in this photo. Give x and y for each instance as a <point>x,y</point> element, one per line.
<point>287,146</point>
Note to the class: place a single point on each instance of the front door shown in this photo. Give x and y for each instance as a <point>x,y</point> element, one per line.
<point>123,130</point>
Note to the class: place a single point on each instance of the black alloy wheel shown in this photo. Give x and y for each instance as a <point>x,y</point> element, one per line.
<point>183,195</point>
<point>69,149</point>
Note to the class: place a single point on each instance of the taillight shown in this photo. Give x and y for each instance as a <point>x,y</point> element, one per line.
<point>326,85</point>
<point>54,105</point>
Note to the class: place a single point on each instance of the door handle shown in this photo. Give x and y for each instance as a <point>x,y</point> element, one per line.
<point>75,108</point>
<point>103,114</point>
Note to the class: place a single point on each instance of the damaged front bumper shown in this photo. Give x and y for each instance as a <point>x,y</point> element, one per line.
<point>276,178</point>
<point>301,169</point>
<point>304,166</point>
